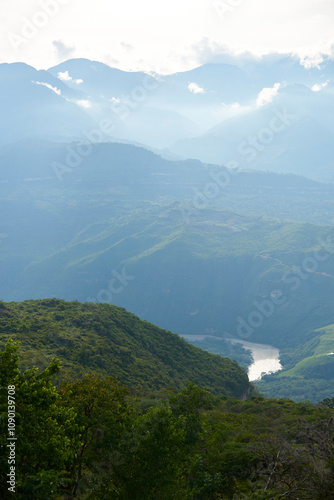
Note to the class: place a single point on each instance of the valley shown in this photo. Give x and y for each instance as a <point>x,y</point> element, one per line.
<point>254,262</point>
<point>167,250</point>
<point>263,359</point>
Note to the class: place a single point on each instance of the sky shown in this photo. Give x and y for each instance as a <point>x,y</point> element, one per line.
<point>163,37</point>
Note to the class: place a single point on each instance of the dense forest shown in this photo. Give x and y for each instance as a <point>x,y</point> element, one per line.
<point>191,265</point>
<point>107,340</point>
<point>166,250</point>
<point>106,406</point>
<point>93,437</point>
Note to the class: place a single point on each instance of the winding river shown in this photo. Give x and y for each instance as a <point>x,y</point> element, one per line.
<point>266,357</point>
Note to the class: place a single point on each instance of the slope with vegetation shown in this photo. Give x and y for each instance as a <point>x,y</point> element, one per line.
<point>108,340</point>
<point>196,278</point>
<point>91,438</point>
<point>122,210</point>
<point>308,369</point>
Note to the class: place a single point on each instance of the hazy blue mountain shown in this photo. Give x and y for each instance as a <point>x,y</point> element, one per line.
<point>123,211</point>
<point>35,104</point>
<point>231,238</point>
<point>158,110</point>
<point>293,133</point>
<point>221,83</point>
<point>201,107</point>
<point>114,166</point>
<point>138,104</point>
<point>224,275</point>
<point>98,79</point>
<point>274,68</point>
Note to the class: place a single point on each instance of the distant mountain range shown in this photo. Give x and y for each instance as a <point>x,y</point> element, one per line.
<point>201,201</point>
<point>292,133</point>
<point>271,114</point>
<point>196,262</point>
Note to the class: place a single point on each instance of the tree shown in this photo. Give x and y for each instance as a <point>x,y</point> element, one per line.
<point>328,402</point>
<point>188,403</point>
<point>104,417</point>
<point>46,433</point>
<point>156,457</point>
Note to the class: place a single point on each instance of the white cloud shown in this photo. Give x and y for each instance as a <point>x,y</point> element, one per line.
<point>65,77</point>
<point>111,32</point>
<point>49,86</point>
<point>267,94</point>
<point>84,103</point>
<point>195,88</point>
<point>319,86</point>
<point>311,61</point>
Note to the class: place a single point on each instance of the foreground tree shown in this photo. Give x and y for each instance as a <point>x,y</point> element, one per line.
<point>46,433</point>
<point>104,418</point>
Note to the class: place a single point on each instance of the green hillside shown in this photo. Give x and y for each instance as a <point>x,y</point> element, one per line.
<point>107,340</point>
<point>93,438</point>
<point>114,231</point>
<point>308,369</point>
<point>194,278</point>
<point>123,212</point>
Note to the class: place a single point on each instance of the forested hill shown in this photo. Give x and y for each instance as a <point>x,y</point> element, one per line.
<point>108,340</point>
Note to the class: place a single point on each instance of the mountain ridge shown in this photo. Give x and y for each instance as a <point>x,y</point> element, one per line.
<point>107,340</point>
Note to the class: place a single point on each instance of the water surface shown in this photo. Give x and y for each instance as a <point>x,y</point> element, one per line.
<point>266,357</point>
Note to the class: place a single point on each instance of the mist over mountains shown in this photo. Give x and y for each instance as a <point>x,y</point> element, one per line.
<point>272,114</point>
<point>167,250</point>
<point>201,201</point>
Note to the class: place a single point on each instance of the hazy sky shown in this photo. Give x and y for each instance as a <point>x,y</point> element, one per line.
<point>161,36</point>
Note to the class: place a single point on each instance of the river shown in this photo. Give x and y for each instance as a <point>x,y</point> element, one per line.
<point>266,357</point>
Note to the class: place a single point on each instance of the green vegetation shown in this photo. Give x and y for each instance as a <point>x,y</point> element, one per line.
<point>298,389</point>
<point>122,209</point>
<point>225,349</point>
<point>108,340</point>
<point>308,369</point>
<point>193,278</point>
<point>90,437</point>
